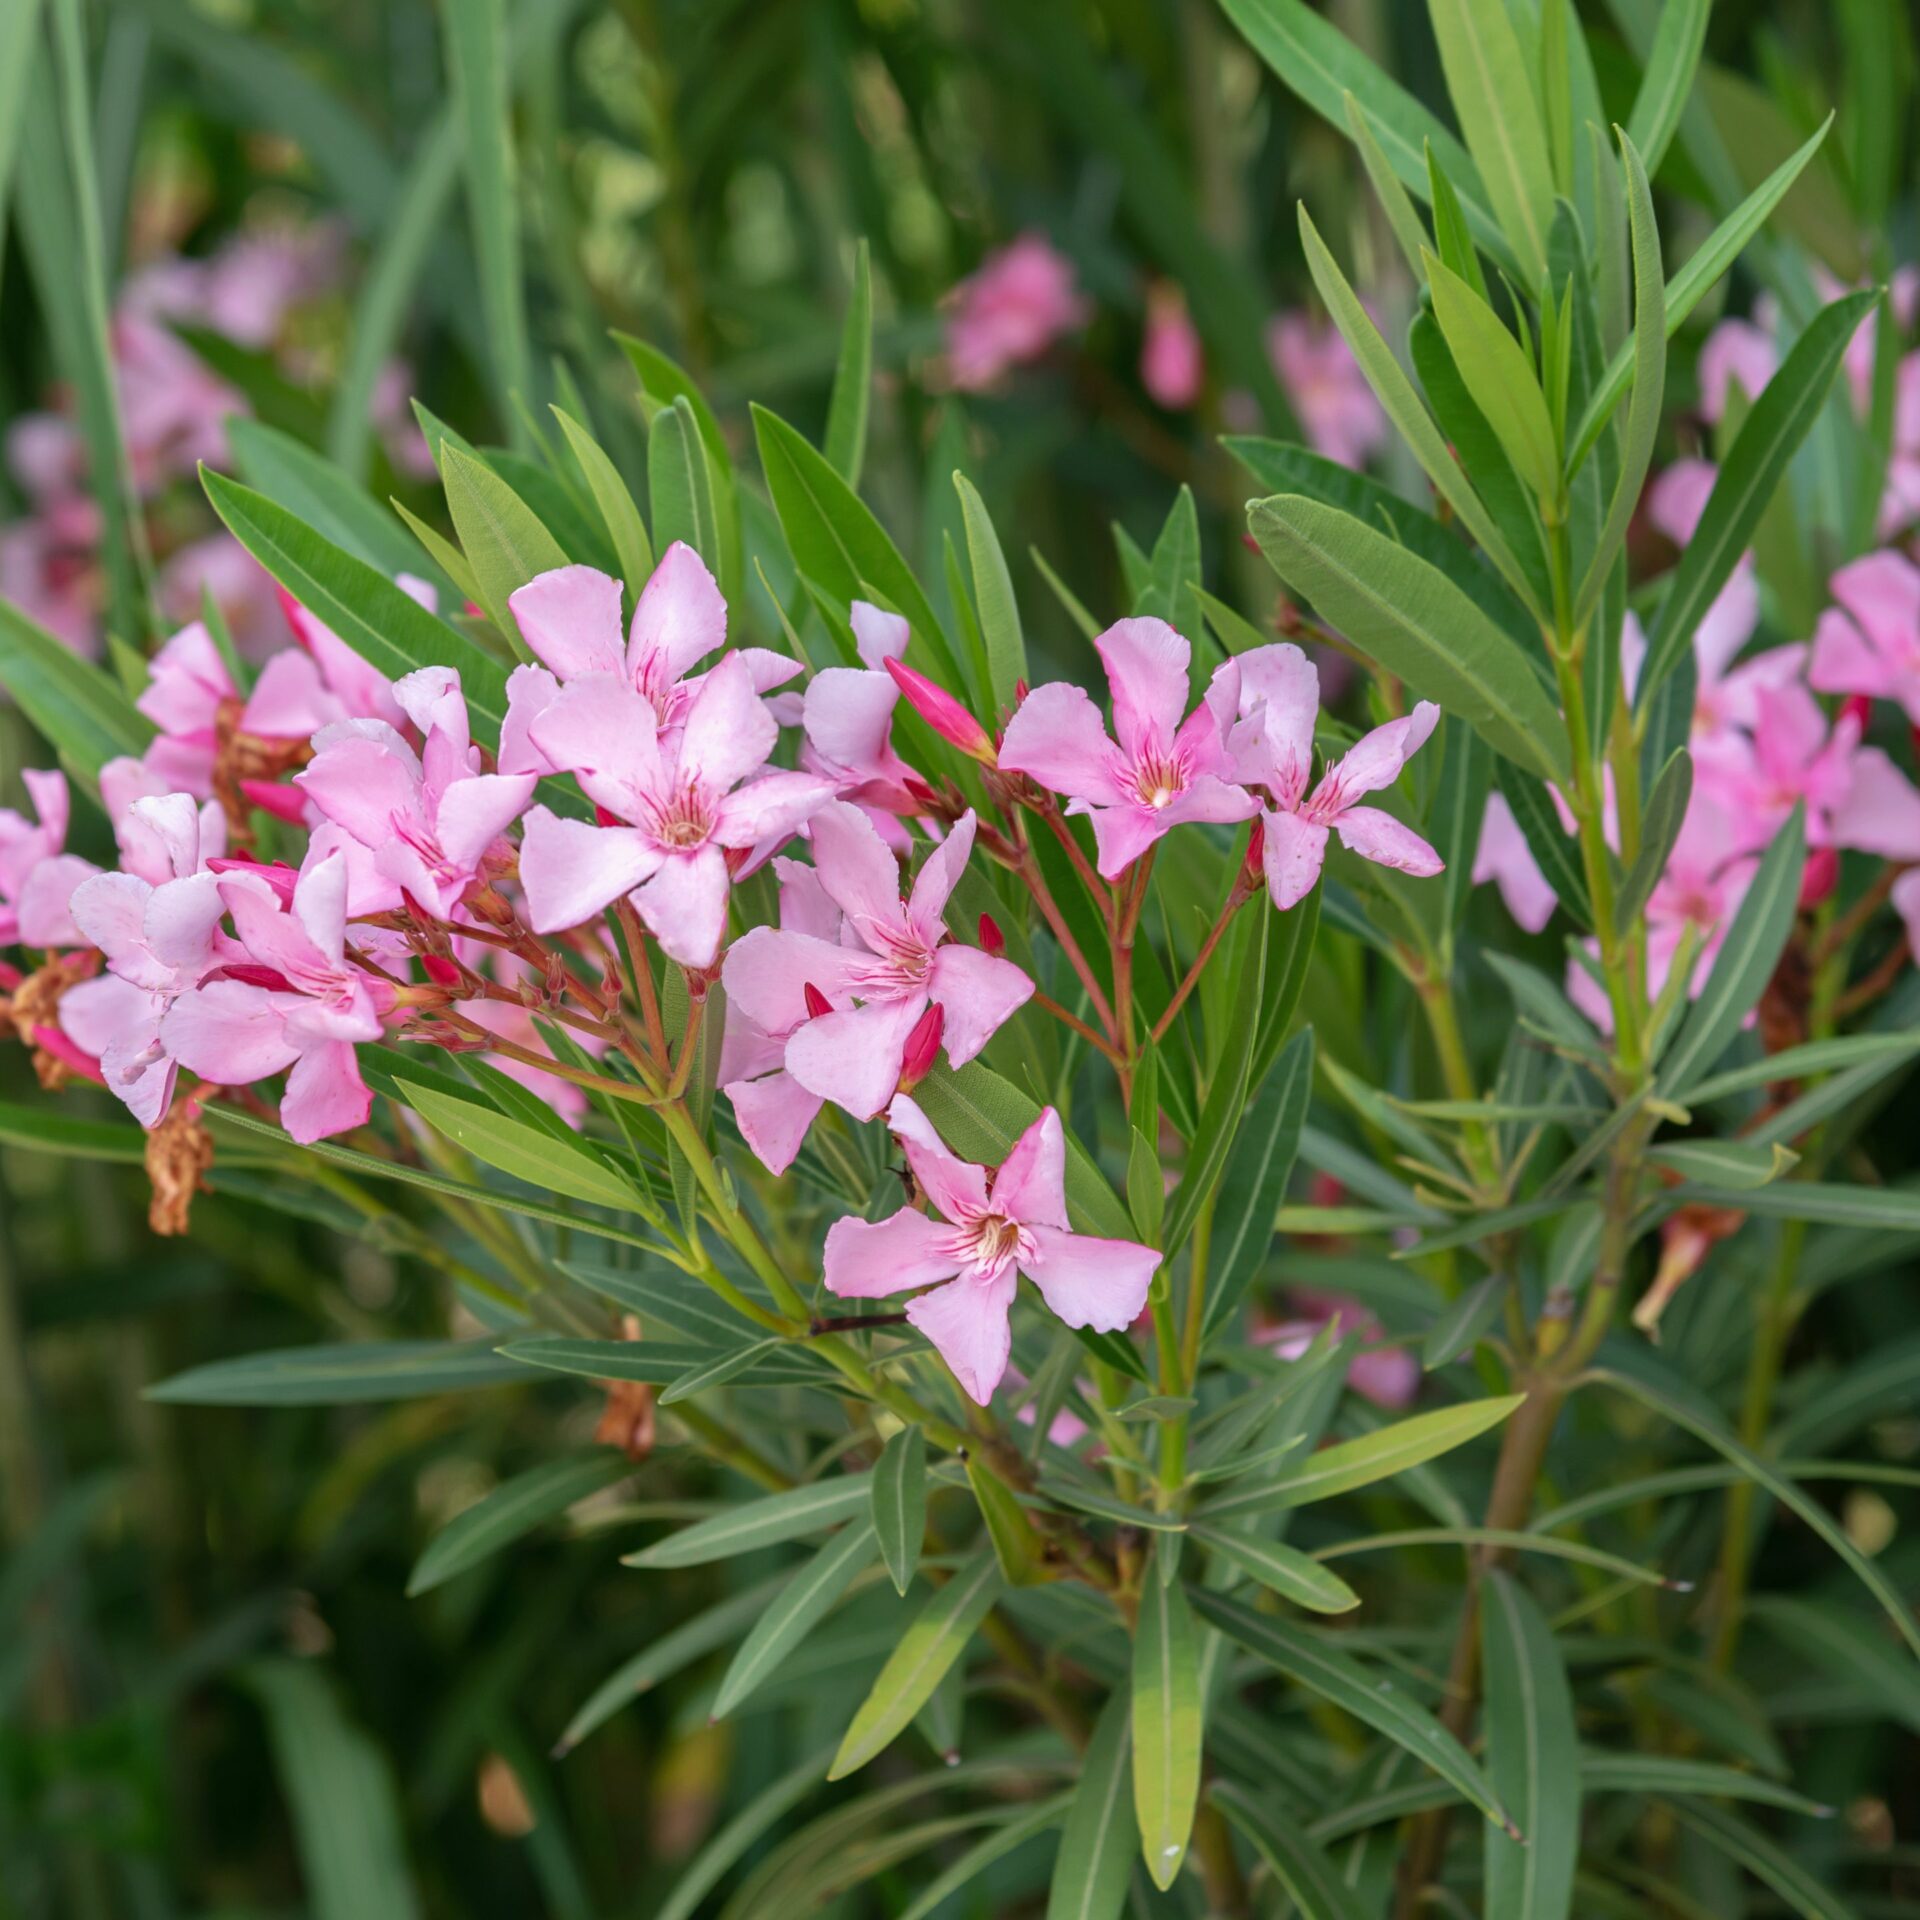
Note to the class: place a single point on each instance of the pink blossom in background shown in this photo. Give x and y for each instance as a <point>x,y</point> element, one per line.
<point>892,957</point>
<point>1165,770</point>
<point>37,877</point>
<point>1505,858</point>
<point>220,568</point>
<point>1338,412</point>
<point>173,407</point>
<point>570,617</point>
<point>1906,903</point>
<point>1387,1375</point>
<point>685,801</point>
<point>1870,642</point>
<point>1737,352</point>
<point>431,820</point>
<point>986,1228</point>
<point>304,688</point>
<point>297,1003</point>
<point>1009,311</point>
<point>187,686</point>
<point>1172,366</point>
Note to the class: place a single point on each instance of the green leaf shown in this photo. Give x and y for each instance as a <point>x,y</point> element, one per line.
<point>1667,1774</point>
<point>853,377</point>
<point>1374,1456</point>
<point>1006,645</point>
<point>936,1639</point>
<point>375,618</point>
<point>618,514</point>
<point>1822,1202</point>
<point>19,34</point>
<point>1311,1880</point>
<point>477,62</point>
<point>1725,1163</point>
<point>1687,287</point>
<point>1255,1181</point>
<point>1799,1063</point>
<point>995,1846</point>
<point>1750,1848</point>
<point>719,1370</point>
<point>1838,1643</point>
<point>679,486</point>
<point>1668,78</point>
<point>1311,1663</point>
<point>1660,823</point>
<point>1403,406</point>
<point>1500,377</point>
<point>1415,623</point>
<point>1166,1727</point>
<point>1452,236</point>
<point>1461,1323</point>
<point>1745,963</point>
<point>1015,1543</point>
<point>542,1159</point>
<point>1494,101</point>
<point>1554,850</point>
<point>900,1503</point>
<point>83,712</point>
<point>347,1824</point>
<point>338,1376</point>
<point>803,1603</point>
<point>45,1129</point>
<point>760,1523</point>
<point>1649,388</point>
<point>666,1362</point>
<point>505,541</point>
<point>1295,1576</point>
<point>1533,1757</point>
<point>511,1510</point>
<point>1769,436</point>
<point>1091,1870</point>
<point>1409,235</point>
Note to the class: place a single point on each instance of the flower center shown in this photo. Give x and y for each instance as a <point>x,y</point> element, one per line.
<point>1158,778</point>
<point>684,821</point>
<point>992,1240</point>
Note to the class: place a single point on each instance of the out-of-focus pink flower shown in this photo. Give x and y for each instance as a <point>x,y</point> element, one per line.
<point>683,800</point>
<point>37,877</point>
<point>1387,1375</point>
<point>1165,770</point>
<point>1505,858</point>
<point>1338,412</point>
<point>876,972</point>
<point>302,689</point>
<point>399,430</point>
<point>53,580</point>
<point>1172,365</point>
<point>986,1228</point>
<point>160,941</point>
<point>173,407</point>
<point>1678,497</point>
<point>430,819</point>
<point>570,617</point>
<point>1739,352</point>
<point>302,1004</point>
<point>256,280</point>
<point>1870,642</point>
<point>219,568</point>
<point>1906,903</point>
<point>1009,311</point>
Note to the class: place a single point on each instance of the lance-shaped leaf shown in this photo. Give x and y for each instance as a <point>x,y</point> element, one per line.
<point>1312,1881</point>
<point>542,1159</point>
<point>1416,624</point>
<point>1166,1726</point>
<point>1554,850</point>
<point>759,1523</point>
<point>1668,78</point>
<point>1000,631</point>
<point>1736,1164</point>
<point>618,514</point>
<point>505,541</point>
<point>900,1503</point>
<point>802,1604</point>
<point>1293,1575</point>
<point>1500,377</point>
<point>81,710</point>
<point>853,376</point>
<point>340,1375</point>
<point>1660,824</point>
<point>511,1510</point>
<point>1090,1872</point>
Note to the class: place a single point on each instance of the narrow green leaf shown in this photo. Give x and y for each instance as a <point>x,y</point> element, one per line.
<point>760,1523</point>
<point>512,1510</point>
<point>542,1159</point>
<point>1852,1651</point>
<point>900,1503</point>
<point>1015,1543</point>
<point>82,711</point>
<point>618,514</point>
<point>1293,1575</point>
<point>1668,78</point>
<point>338,1376</point>
<point>1738,1164</point>
<point>1750,1848</point>
<point>1666,1774</point>
<point>719,1370</point>
<point>680,496</point>
<point>1553,848</point>
<point>505,541</point>
<point>1166,1727</point>
<point>1533,1757</point>
<point>853,377</point>
<point>1660,823</point>
<point>1463,1321</point>
<point>1091,1871</point>
<point>1312,1881</point>
<point>1000,630</point>
<point>936,1639</point>
<point>1408,233</point>
<point>802,1604</point>
<point>1798,1063</point>
<point>986,1852</point>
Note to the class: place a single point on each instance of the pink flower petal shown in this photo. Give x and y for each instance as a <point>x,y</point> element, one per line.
<point>727,733</point>
<point>1146,664</point>
<point>768,811</point>
<point>603,733</point>
<point>1089,1282</point>
<point>679,619</point>
<point>869,1259</point>
<point>938,876</point>
<point>572,871</point>
<point>877,635</point>
<point>363,786</point>
<point>967,1321</point>
<point>570,617</point>
<point>325,1094</point>
<point>685,905</point>
<point>1377,836</point>
<point>1056,738</point>
<point>1292,857</point>
<point>860,876</point>
<point>1031,1186</point>
<point>769,969</point>
<point>229,1033</point>
<point>774,1113</point>
<point>475,812</point>
<point>853,1059</point>
<point>1121,834</point>
<point>956,1187</point>
<point>978,994</point>
<point>530,692</point>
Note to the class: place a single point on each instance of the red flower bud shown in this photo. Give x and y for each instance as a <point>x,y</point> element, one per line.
<point>602,818</point>
<point>440,970</point>
<point>275,797</point>
<point>1020,691</point>
<point>1818,877</point>
<point>1857,707</point>
<point>1253,869</point>
<point>817,1002</point>
<point>991,937</point>
<point>922,1048</point>
<point>943,713</point>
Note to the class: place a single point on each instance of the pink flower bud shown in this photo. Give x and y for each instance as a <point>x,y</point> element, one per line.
<point>944,714</point>
<point>1858,708</point>
<point>922,1048</point>
<point>440,970</point>
<point>817,1002</point>
<point>991,938</point>
<point>1818,877</point>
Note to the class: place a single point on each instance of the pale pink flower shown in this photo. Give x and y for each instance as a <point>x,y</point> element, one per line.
<point>1009,310</point>
<point>1906,903</point>
<point>431,819</point>
<point>986,1228</point>
<point>218,568</point>
<point>1165,770</point>
<point>296,1002</point>
<point>1505,858</point>
<point>1736,353</point>
<point>846,720</point>
<point>1338,412</point>
<point>1172,365</point>
<point>160,941</point>
<point>892,957</point>
<point>1387,1375</point>
<point>50,570</point>
<point>304,688</point>
<point>187,686</point>
<point>173,407</point>
<point>1678,497</point>
<point>258,277</point>
<point>147,842</point>
<point>682,799</point>
<point>37,877</point>
<point>1870,642</point>
<point>570,617</point>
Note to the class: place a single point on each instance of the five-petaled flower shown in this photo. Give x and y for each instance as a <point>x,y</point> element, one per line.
<point>986,1228</point>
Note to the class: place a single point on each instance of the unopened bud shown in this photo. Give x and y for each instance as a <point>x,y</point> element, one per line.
<point>1818,877</point>
<point>943,713</point>
<point>1020,691</point>
<point>442,971</point>
<point>922,1048</point>
<point>817,1002</point>
<point>991,938</point>
<point>1253,868</point>
<point>1858,708</point>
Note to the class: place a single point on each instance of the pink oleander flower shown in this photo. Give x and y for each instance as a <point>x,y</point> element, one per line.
<point>1505,858</point>
<point>892,957</point>
<point>570,617</point>
<point>148,843</point>
<point>187,686</point>
<point>1172,366</point>
<point>37,877</point>
<point>431,819</point>
<point>249,288</point>
<point>987,1227</point>
<point>1870,642</point>
<point>846,721</point>
<point>1387,1375</point>
<point>219,568</point>
<point>50,570</point>
<point>295,1002</point>
<point>1165,770</point>
<point>1338,412</point>
<point>1276,691</point>
<point>304,688</point>
<point>173,407</point>
<point>1014,305</point>
<point>159,941</point>
<point>942,712</point>
<point>686,800</point>
<point>1736,352</point>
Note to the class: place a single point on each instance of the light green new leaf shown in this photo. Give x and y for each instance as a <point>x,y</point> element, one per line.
<point>1091,1870</point>
<point>729,1365</point>
<point>853,377</point>
<point>505,541</point>
<point>1660,824</point>
<point>511,1510</point>
<point>1499,375</point>
<point>1312,1881</point>
<point>900,1503</point>
<point>1412,620</point>
<point>340,1375</point>
<point>1166,1726</point>
<point>1494,101</point>
<point>1000,630</point>
<point>1533,1757</point>
<point>936,1639</point>
<point>618,514</point>
<point>1668,78</point>
<point>1293,1575</point>
<point>759,1523</point>
<point>803,1603</point>
<point>532,1154</point>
